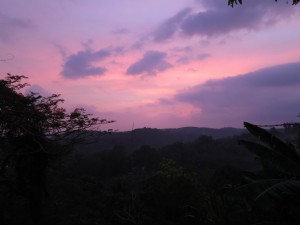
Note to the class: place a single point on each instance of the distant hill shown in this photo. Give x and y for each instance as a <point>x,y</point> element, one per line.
<point>188,134</point>
<point>157,138</point>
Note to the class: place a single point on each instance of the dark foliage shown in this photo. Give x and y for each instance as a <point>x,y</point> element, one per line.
<point>34,130</point>
<point>273,196</point>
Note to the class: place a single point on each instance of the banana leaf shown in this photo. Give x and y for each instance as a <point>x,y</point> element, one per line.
<point>279,161</point>
<point>281,194</point>
<point>273,142</point>
<point>252,190</point>
<point>270,169</point>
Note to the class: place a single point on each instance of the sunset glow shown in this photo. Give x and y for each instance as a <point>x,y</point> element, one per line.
<point>159,64</point>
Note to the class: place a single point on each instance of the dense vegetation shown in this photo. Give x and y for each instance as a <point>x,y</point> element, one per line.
<point>252,178</point>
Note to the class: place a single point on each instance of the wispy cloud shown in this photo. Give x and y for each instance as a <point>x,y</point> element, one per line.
<point>10,25</point>
<point>151,63</point>
<point>121,31</point>
<point>79,64</point>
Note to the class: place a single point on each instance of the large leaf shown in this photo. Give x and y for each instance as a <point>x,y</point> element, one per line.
<point>273,142</point>
<point>270,169</point>
<point>252,190</point>
<point>282,193</point>
<point>279,161</point>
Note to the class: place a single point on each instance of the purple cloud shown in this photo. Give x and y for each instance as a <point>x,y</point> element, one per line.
<point>169,27</point>
<point>188,58</point>
<point>219,19</point>
<point>269,95</point>
<point>217,22</point>
<point>165,101</point>
<point>151,63</point>
<point>79,64</point>
<point>10,25</point>
<point>203,56</point>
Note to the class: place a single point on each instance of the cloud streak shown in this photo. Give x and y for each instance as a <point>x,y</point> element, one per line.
<point>151,63</point>
<point>268,95</point>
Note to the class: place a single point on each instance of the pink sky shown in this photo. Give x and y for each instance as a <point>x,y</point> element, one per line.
<point>156,63</point>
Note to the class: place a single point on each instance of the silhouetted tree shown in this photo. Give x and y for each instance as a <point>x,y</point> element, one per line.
<point>33,130</point>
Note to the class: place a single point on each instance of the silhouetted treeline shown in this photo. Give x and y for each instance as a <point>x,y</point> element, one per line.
<point>181,183</point>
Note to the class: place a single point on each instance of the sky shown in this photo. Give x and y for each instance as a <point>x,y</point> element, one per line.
<point>159,63</point>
